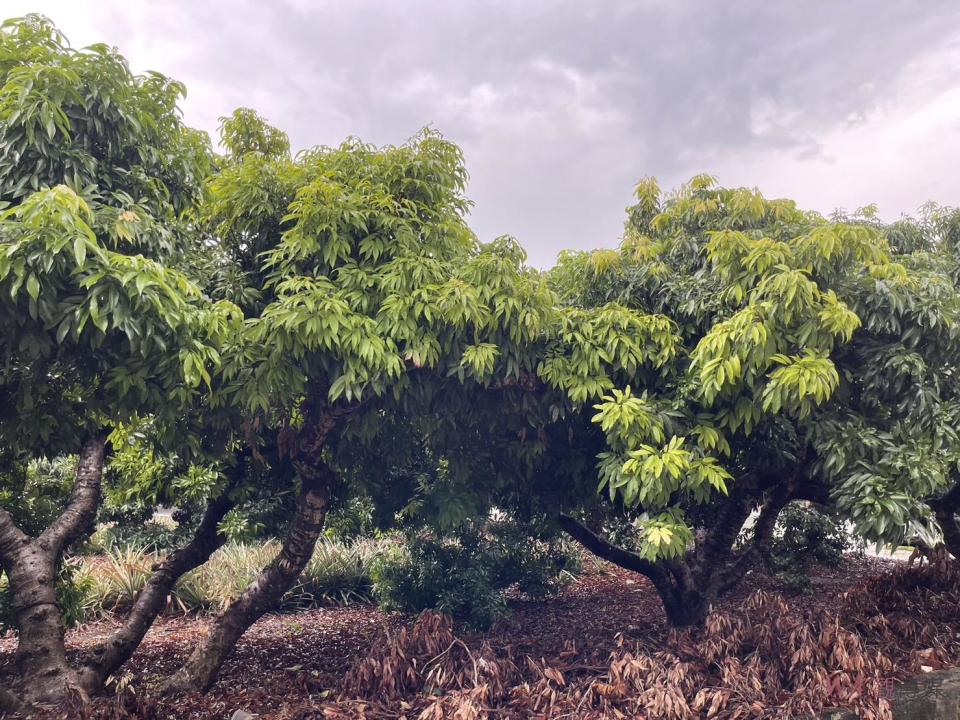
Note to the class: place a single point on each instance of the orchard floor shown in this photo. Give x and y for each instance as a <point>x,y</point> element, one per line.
<point>288,663</point>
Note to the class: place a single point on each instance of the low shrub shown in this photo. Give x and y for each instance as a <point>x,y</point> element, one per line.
<point>804,537</point>
<point>119,576</point>
<point>465,575</point>
<point>156,534</point>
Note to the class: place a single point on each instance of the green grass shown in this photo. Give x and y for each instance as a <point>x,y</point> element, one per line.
<point>337,574</point>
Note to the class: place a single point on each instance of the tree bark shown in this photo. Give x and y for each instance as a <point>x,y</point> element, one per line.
<point>81,512</point>
<point>725,576</point>
<point>682,602</point>
<point>688,587</point>
<point>202,667</point>
<point>107,657</point>
<point>41,672</point>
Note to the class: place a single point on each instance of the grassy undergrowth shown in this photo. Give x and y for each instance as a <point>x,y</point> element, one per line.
<point>100,585</point>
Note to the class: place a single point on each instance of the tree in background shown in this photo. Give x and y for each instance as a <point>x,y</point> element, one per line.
<point>892,455</point>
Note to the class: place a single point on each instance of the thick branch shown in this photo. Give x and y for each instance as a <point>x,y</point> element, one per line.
<point>717,544</point>
<point>683,603</point>
<point>82,508</point>
<point>11,538</point>
<point>659,572</point>
<point>110,654</point>
<point>729,576</point>
<point>603,548</point>
<point>201,669</point>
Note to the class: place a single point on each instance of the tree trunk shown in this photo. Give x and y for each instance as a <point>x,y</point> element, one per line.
<point>41,672</point>
<point>683,603</point>
<point>262,595</point>
<point>686,607</point>
<point>107,657</point>
<point>688,587</point>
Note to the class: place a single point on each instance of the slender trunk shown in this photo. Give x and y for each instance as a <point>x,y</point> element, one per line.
<point>107,657</point>
<point>264,593</point>
<point>41,672</point>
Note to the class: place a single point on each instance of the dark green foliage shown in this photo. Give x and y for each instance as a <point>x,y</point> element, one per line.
<point>351,519</point>
<point>466,574</point>
<point>36,492</point>
<point>806,537</point>
<point>151,536</point>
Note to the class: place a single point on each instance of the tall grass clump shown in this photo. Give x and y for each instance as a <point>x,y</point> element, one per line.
<point>337,574</point>
<point>100,585</point>
<point>118,577</point>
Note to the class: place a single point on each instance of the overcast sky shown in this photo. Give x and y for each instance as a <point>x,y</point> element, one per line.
<point>561,106</point>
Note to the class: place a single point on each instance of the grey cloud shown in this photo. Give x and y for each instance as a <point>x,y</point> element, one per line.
<point>559,106</point>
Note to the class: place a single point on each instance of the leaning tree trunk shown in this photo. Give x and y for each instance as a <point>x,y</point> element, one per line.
<point>683,603</point>
<point>690,586</point>
<point>41,672</point>
<point>107,657</point>
<point>264,593</point>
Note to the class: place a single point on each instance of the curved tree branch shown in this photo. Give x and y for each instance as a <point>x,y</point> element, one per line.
<point>603,548</point>
<point>110,654</point>
<point>11,538</point>
<point>725,579</point>
<point>84,501</point>
<point>202,667</point>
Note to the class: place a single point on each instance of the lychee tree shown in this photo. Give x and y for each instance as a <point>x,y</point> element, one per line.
<point>778,311</point>
<point>97,325</point>
<point>370,298</point>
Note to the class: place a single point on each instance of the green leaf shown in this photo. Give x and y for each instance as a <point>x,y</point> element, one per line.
<point>80,250</point>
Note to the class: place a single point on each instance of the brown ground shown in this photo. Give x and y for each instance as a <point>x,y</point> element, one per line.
<point>293,660</point>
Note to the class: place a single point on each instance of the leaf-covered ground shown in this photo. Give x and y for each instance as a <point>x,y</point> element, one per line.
<point>600,649</point>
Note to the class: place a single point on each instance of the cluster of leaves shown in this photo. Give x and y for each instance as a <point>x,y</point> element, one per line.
<point>35,492</point>
<point>98,181</point>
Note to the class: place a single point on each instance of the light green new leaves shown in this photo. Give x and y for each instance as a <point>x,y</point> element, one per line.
<point>142,327</point>
<point>480,359</point>
<point>734,352</point>
<point>800,385</point>
<point>591,344</point>
<point>665,536</point>
<point>629,420</point>
<point>649,477</point>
